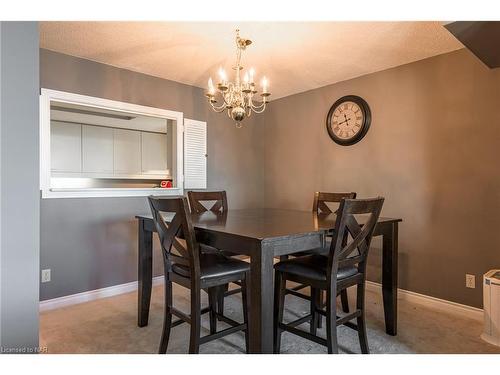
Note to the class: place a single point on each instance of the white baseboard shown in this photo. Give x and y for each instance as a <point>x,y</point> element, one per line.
<point>422,299</point>
<point>92,295</point>
<point>432,302</point>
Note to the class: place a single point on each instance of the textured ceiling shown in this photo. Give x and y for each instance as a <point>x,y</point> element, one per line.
<point>294,56</point>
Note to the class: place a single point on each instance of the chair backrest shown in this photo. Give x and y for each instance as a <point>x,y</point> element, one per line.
<point>196,197</point>
<point>177,236</point>
<point>353,234</point>
<point>321,198</point>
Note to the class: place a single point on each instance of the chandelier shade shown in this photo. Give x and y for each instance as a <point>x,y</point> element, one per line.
<point>237,98</point>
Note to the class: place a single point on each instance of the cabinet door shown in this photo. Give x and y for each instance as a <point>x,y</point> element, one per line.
<point>97,149</point>
<point>154,153</point>
<point>65,147</point>
<point>195,154</point>
<point>127,151</point>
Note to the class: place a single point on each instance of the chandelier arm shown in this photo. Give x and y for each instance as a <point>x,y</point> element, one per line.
<point>250,101</point>
<point>218,109</point>
<point>263,108</point>
<point>259,106</point>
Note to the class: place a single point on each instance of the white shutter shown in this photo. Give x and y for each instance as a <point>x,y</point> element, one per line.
<point>195,154</point>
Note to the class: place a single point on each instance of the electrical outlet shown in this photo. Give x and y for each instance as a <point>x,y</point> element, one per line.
<point>470,281</point>
<point>46,275</point>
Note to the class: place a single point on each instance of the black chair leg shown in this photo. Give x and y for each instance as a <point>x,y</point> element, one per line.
<point>279,305</point>
<point>331,322</point>
<point>194,340</point>
<point>220,298</point>
<point>167,319</point>
<point>315,296</point>
<point>361,322</point>
<point>320,305</point>
<point>345,300</point>
<point>212,304</point>
<point>244,294</point>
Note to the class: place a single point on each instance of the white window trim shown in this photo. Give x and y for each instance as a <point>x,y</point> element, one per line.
<point>47,96</point>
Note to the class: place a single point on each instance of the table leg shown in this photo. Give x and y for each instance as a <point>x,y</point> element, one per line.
<point>390,277</point>
<point>145,273</point>
<point>261,301</point>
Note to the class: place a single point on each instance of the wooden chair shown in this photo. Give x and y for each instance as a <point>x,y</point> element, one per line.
<point>345,266</point>
<point>321,199</point>
<point>219,206</point>
<point>197,197</point>
<point>320,207</point>
<point>186,265</point>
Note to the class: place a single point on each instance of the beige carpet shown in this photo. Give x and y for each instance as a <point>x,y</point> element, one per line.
<point>109,326</point>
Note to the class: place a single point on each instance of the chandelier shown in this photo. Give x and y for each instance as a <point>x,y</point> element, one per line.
<point>237,97</point>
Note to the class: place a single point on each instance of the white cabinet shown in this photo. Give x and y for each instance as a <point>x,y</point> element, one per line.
<point>65,147</point>
<point>154,154</point>
<point>106,152</point>
<point>127,151</point>
<point>97,149</point>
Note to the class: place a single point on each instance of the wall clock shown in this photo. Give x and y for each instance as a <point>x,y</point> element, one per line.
<point>348,120</point>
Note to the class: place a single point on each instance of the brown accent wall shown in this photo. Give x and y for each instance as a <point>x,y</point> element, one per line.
<point>432,151</point>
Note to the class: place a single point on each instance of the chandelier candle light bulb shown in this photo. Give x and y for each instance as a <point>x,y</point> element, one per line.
<point>237,97</point>
<point>211,88</point>
<point>265,85</point>
<point>222,75</point>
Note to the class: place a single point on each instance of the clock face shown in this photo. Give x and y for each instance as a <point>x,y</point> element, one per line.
<point>348,120</point>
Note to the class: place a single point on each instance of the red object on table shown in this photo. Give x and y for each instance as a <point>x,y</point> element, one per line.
<point>166,184</point>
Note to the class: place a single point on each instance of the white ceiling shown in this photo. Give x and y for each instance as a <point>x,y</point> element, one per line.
<point>294,56</point>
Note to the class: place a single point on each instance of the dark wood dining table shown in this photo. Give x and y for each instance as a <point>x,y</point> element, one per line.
<point>264,234</point>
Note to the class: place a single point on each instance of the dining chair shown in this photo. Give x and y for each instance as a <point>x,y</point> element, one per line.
<point>343,267</point>
<point>196,199</point>
<point>219,207</point>
<point>218,202</point>
<point>320,207</point>
<point>186,265</point>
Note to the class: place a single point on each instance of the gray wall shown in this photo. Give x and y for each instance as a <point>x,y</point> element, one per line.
<point>432,151</point>
<point>91,243</point>
<point>19,185</point>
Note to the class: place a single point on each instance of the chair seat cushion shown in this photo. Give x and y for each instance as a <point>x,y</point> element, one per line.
<point>312,267</point>
<point>214,266</point>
